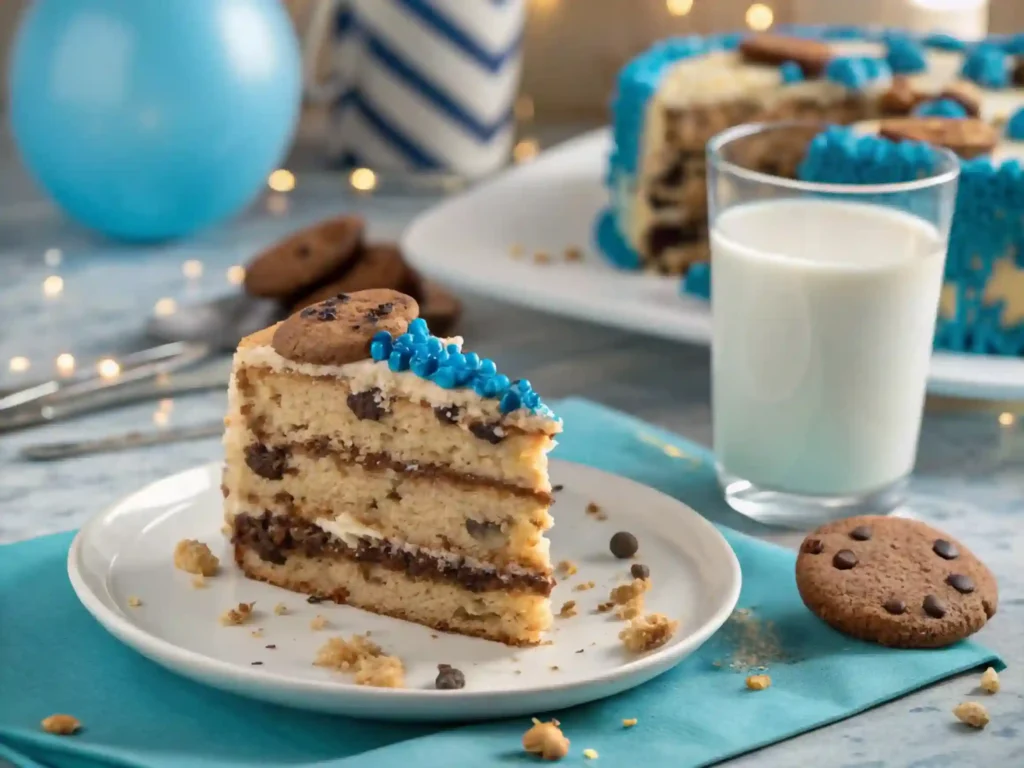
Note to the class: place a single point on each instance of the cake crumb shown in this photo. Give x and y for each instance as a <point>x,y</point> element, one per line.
<point>628,722</point>
<point>433,636</point>
<point>625,593</point>
<point>592,508</point>
<point>971,713</point>
<point>990,681</point>
<point>584,586</point>
<point>546,740</point>
<point>555,667</point>
<point>198,581</point>
<point>567,568</point>
<point>541,257</point>
<point>194,556</point>
<point>758,682</point>
<point>134,602</point>
<point>258,632</point>
<point>568,609</point>
<point>226,529</point>
<point>318,623</point>
<point>516,250</point>
<point>61,725</point>
<point>280,609</point>
<point>590,754</point>
<point>572,253</point>
<point>605,607</point>
<point>235,616</point>
<point>646,633</point>
<point>632,609</point>
<point>365,659</point>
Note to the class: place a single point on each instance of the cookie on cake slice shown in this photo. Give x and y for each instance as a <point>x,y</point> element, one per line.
<point>371,463</point>
<point>895,582</point>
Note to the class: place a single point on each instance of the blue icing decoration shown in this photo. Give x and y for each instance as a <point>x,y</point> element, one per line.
<point>487,367</point>
<point>944,42</point>
<point>1013,44</point>
<point>941,108</point>
<point>472,361</point>
<point>905,56</point>
<point>1015,126</point>
<point>399,360</point>
<point>854,72</point>
<point>987,65</point>
<point>791,72</point>
<point>613,244</point>
<point>418,328</point>
<point>844,32</point>
<point>444,377</point>
<point>697,281</point>
<point>510,401</point>
<point>728,41</point>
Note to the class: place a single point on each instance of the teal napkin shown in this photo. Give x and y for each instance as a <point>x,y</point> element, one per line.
<point>55,658</point>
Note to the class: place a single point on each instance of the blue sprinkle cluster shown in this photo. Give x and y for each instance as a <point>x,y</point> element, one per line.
<point>1015,126</point>
<point>988,65</point>
<point>944,42</point>
<point>941,108</point>
<point>855,72</point>
<point>447,366</point>
<point>904,55</point>
<point>791,72</point>
<point>839,155</point>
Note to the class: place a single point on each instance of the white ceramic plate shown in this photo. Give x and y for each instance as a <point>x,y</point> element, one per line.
<point>127,552</point>
<point>550,204</point>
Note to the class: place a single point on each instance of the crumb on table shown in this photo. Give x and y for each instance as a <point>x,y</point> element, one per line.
<point>541,257</point>
<point>990,680</point>
<point>365,659</point>
<point>235,616</point>
<point>596,511</point>
<point>646,633</point>
<point>198,581</point>
<point>628,722</point>
<point>568,609</point>
<point>194,556</point>
<point>605,607</point>
<point>319,622</point>
<point>546,740</point>
<point>572,253</point>
<point>972,713</point>
<point>280,609</point>
<point>758,682</point>
<point>516,250</point>
<point>632,609</point>
<point>584,586</point>
<point>61,725</point>
<point>134,602</point>
<point>567,568</point>
<point>590,754</point>
<point>258,632</point>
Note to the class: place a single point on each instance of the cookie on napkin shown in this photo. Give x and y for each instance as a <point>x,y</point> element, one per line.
<point>894,581</point>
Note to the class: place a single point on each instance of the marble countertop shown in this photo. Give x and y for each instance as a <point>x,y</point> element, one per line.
<point>969,478</point>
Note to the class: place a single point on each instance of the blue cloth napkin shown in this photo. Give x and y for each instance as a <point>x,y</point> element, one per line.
<point>55,658</point>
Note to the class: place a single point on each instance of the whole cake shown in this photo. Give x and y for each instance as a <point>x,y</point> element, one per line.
<point>371,463</point>
<point>899,91</point>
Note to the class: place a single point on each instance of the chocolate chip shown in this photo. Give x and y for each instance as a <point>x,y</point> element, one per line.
<point>488,432</point>
<point>314,600</point>
<point>394,495</point>
<point>639,571</point>
<point>327,314</point>
<point>308,312</point>
<point>557,488</point>
<point>381,310</point>
<point>673,175</point>
<point>945,549</point>
<point>895,607</point>
<point>268,463</point>
<point>256,663</point>
<point>861,533</point>
<point>484,530</point>
<point>270,647</point>
<point>1018,71</point>
<point>329,302</point>
<point>844,560</point>
<point>934,607</point>
<point>366,405</point>
<point>449,678</point>
<point>344,298</point>
<point>961,583</point>
<point>813,547</point>
<point>663,236</point>
<point>623,545</point>
<point>447,414</point>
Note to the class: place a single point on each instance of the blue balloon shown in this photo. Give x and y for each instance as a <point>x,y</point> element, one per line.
<point>150,119</point>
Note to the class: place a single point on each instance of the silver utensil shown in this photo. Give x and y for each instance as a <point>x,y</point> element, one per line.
<point>122,442</point>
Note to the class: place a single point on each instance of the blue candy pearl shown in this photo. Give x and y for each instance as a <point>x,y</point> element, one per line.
<point>905,56</point>
<point>424,367</point>
<point>382,336</point>
<point>509,402</point>
<point>457,360</point>
<point>480,384</point>
<point>791,72</point>
<point>523,385</point>
<point>405,341</point>
<point>472,361</point>
<point>987,65</point>
<point>941,108</point>
<point>464,376</point>
<point>1015,126</point>
<point>531,400</point>
<point>418,327</point>
<point>488,367</point>
<point>435,345</point>
<point>452,349</point>
<point>501,383</point>
<point>444,377</point>
<point>399,360</point>
<point>380,350</point>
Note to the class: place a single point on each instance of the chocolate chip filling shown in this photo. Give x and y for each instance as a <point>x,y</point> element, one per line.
<point>268,463</point>
<point>490,432</point>
<point>447,414</point>
<point>274,538</point>
<point>661,237</point>
<point>486,532</point>
<point>367,405</point>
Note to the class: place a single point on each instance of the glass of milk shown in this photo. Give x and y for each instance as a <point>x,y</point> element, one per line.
<point>824,298</point>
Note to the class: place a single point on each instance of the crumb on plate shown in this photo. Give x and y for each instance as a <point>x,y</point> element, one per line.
<point>568,609</point>
<point>134,602</point>
<point>567,568</point>
<point>194,556</point>
<point>584,586</point>
<point>365,659</point>
<point>318,623</point>
<point>646,633</point>
<point>280,609</point>
<point>235,616</point>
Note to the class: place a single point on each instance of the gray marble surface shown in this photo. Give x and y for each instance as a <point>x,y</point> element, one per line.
<point>969,478</point>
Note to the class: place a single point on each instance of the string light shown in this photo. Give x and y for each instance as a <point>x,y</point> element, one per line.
<point>66,363</point>
<point>108,368</point>
<point>53,257</point>
<point>192,269</point>
<point>523,109</point>
<point>679,7</point>
<point>53,286</point>
<point>281,180</point>
<point>18,364</point>
<point>165,307</point>
<point>759,17</point>
<point>363,179</point>
<point>236,274</point>
<point>524,150</point>
<point>1007,419</point>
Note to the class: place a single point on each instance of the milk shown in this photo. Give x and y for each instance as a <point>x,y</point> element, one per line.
<point>824,313</point>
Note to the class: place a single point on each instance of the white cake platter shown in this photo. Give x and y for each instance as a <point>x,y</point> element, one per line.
<point>126,552</point>
<point>484,241</point>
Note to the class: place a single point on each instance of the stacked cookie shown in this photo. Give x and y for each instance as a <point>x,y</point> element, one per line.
<point>332,257</point>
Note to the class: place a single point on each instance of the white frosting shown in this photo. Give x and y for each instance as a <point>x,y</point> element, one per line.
<point>368,374</point>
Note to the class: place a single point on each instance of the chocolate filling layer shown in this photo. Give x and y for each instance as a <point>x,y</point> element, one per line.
<point>275,537</point>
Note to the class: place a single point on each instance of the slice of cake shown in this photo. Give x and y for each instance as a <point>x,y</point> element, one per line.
<point>371,463</point>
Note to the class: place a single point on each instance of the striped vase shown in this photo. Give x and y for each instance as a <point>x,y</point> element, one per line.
<point>425,85</point>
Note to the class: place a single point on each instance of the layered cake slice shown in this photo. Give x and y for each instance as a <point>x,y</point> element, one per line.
<point>371,463</point>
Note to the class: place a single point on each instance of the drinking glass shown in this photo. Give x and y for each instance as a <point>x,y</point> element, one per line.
<point>824,300</point>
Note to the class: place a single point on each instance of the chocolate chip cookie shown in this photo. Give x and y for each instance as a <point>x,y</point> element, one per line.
<point>338,330</point>
<point>812,55</point>
<point>304,258</point>
<point>895,582</point>
<point>968,137</point>
<point>377,266</point>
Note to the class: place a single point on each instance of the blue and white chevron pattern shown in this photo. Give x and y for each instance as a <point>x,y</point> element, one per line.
<point>430,84</point>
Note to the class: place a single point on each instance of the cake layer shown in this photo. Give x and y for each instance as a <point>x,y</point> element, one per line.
<point>511,618</point>
<point>483,520</point>
<point>287,407</point>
